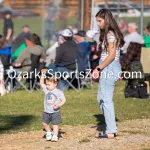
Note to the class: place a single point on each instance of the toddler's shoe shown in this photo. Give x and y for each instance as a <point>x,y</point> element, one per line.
<point>54,138</point>
<point>48,136</point>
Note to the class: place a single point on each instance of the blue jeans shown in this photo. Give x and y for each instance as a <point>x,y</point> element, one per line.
<point>50,31</point>
<point>109,76</point>
<point>62,84</point>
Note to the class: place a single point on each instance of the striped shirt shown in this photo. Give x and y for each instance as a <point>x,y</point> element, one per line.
<point>111,39</point>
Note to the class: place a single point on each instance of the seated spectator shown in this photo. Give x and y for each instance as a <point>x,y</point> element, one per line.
<point>3,47</point>
<point>19,43</point>
<point>133,36</point>
<point>80,36</point>
<point>20,39</point>
<point>90,38</point>
<point>33,47</point>
<point>133,54</point>
<point>93,47</point>
<point>3,44</point>
<point>51,54</point>
<point>51,51</point>
<point>65,57</point>
<point>147,37</point>
<point>81,41</point>
<point>4,64</point>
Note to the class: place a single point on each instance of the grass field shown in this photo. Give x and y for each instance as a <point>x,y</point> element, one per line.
<point>36,23</point>
<point>21,111</point>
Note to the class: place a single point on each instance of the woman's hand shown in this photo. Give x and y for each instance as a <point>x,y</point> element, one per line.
<point>95,74</point>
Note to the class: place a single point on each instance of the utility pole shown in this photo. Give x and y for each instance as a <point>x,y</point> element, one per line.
<point>87,14</point>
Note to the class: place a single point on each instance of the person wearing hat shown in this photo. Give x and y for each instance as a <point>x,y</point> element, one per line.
<point>80,38</point>
<point>65,56</point>
<point>133,36</point>
<point>90,34</point>
<point>8,27</point>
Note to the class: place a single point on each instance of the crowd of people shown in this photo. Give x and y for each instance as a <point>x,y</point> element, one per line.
<point>64,51</point>
<point>104,55</point>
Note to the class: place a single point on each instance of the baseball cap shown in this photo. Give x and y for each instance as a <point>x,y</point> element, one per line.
<point>67,33</point>
<point>81,33</point>
<point>96,30</point>
<point>75,31</point>
<point>90,33</point>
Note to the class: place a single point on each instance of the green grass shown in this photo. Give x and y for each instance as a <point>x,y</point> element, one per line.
<point>138,21</point>
<point>21,111</point>
<point>35,24</point>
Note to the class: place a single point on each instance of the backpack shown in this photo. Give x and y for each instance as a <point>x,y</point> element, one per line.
<point>136,90</point>
<point>136,66</point>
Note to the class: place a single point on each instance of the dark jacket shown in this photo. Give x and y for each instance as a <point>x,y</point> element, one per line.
<point>20,39</point>
<point>66,54</point>
<point>133,54</point>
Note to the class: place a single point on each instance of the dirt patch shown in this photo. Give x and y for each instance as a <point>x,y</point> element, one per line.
<point>133,135</point>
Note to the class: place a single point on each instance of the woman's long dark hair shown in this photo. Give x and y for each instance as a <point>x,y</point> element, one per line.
<point>3,42</point>
<point>109,25</point>
<point>34,38</point>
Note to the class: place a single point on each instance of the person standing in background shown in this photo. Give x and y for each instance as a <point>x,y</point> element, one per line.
<point>8,27</point>
<point>50,18</point>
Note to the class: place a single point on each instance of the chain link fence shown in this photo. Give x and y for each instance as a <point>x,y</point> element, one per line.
<point>125,11</point>
<point>70,13</point>
<point>44,17</point>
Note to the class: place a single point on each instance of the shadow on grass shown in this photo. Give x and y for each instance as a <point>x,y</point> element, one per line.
<point>8,123</point>
<point>101,124</point>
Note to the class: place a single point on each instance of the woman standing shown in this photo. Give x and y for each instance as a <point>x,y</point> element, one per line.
<point>111,39</point>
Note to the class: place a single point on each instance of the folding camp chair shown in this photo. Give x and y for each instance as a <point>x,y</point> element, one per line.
<point>35,68</point>
<point>6,61</point>
<point>10,75</point>
<point>31,79</point>
<point>82,73</point>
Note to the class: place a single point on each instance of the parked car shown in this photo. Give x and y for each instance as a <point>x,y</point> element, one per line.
<point>123,9</point>
<point>15,14</point>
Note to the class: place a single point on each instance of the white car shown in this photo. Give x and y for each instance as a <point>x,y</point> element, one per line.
<point>123,9</point>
